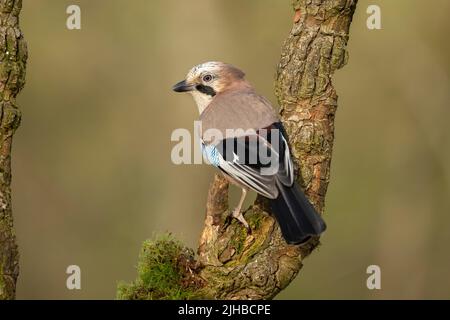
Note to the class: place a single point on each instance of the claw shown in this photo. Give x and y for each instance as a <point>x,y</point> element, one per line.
<point>238,215</point>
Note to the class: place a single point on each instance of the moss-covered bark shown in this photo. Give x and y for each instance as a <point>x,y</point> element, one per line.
<point>13,57</point>
<point>163,272</point>
<point>232,264</point>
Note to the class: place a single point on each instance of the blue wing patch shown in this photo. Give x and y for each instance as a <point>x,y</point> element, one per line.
<point>211,154</point>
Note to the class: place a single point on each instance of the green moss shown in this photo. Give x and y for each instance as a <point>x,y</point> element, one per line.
<point>238,241</point>
<point>159,273</point>
<point>255,220</point>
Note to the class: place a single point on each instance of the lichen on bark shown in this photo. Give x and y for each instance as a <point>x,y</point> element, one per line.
<point>231,263</point>
<point>13,57</point>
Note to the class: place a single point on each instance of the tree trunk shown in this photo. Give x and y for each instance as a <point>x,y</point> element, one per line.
<point>13,57</point>
<point>232,264</point>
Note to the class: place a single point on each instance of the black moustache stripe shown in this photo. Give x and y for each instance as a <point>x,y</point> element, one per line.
<point>206,90</point>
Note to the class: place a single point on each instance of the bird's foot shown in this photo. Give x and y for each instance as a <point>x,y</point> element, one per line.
<point>238,215</point>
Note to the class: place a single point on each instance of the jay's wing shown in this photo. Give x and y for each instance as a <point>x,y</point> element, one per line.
<point>257,161</point>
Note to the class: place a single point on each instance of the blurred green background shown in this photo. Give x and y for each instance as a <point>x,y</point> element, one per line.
<point>91,160</point>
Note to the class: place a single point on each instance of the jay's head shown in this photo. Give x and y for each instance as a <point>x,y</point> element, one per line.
<point>208,79</point>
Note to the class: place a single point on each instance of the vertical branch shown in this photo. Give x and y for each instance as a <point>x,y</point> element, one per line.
<point>13,57</point>
<point>313,51</point>
<point>216,212</point>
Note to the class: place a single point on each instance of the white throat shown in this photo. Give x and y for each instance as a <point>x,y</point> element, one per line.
<point>202,100</point>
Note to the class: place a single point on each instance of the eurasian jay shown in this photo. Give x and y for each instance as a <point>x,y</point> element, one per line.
<point>242,135</point>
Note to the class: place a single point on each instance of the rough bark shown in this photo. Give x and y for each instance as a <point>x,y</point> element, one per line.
<point>231,263</point>
<point>13,56</point>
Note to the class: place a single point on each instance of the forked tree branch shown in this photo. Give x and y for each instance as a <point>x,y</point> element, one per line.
<point>232,264</point>
<point>260,265</point>
<point>13,57</point>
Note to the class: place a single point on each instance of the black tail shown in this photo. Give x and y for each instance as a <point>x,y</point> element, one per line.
<point>296,216</point>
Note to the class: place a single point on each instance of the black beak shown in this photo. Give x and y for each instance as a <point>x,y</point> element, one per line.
<point>182,86</point>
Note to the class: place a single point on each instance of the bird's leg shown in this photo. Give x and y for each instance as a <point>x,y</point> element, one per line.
<point>237,211</point>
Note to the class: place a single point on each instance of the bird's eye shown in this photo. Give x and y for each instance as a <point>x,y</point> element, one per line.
<point>207,78</point>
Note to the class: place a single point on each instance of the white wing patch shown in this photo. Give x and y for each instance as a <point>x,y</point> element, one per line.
<point>264,185</point>
<point>251,177</point>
